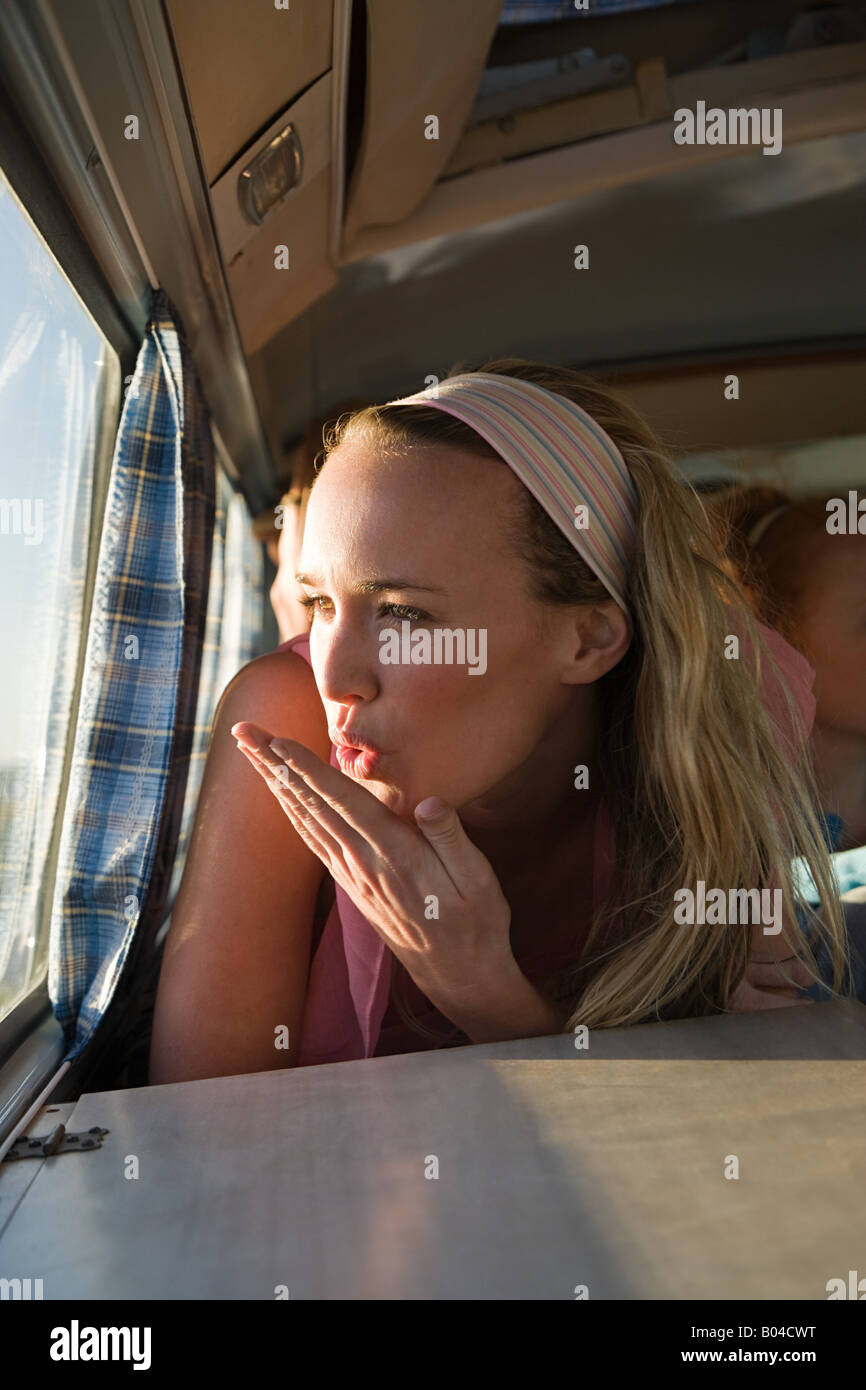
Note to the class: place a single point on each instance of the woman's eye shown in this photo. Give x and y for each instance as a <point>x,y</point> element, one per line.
<point>394,610</point>
<point>312,605</point>
<point>400,610</point>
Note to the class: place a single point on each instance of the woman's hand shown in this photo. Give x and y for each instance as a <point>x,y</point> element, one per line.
<point>429,892</point>
<point>773,976</point>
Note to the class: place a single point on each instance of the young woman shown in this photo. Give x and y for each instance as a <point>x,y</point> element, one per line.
<point>819,605</point>
<point>474,850</point>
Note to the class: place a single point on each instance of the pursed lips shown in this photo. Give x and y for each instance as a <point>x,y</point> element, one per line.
<point>347,738</point>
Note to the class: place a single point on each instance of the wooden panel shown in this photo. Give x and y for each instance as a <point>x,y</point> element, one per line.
<point>243,63</point>
<point>557,1167</point>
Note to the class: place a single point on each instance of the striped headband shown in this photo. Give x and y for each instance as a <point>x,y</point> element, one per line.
<point>565,459</point>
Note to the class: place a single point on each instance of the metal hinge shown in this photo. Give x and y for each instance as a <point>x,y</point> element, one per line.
<point>57,1142</point>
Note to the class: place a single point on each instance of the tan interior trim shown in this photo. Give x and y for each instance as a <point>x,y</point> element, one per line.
<point>783,399</point>
<point>339,98</point>
<point>265,292</point>
<point>422,60</point>
<point>612,161</point>
<point>243,64</point>
<point>310,119</point>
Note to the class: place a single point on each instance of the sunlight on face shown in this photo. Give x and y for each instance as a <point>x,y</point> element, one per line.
<point>430,525</point>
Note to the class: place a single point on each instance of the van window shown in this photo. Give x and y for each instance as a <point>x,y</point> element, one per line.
<point>58,378</point>
<point>234,635</point>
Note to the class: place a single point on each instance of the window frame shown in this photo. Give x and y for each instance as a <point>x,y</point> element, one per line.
<point>116,237</point>
<point>28,177</point>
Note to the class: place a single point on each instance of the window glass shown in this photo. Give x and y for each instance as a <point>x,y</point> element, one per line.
<point>233,636</point>
<point>59,383</point>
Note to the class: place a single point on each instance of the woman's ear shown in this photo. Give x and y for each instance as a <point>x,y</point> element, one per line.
<point>600,636</point>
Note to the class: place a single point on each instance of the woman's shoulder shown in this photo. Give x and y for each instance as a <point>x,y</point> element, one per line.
<point>290,660</point>
<point>278,691</point>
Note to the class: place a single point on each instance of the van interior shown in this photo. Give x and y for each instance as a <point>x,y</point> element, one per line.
<point>338,200</point>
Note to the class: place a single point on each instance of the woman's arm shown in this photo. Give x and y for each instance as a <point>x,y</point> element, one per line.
<point>237,953</point>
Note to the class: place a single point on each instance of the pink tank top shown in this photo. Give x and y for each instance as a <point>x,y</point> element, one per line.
<point>346,1013</point>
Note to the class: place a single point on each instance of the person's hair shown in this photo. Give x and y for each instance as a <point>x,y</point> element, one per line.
<point>775,587</point>
<point>699,782</point>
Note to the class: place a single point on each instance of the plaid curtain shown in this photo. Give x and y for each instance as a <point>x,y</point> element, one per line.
<point>138,703</point>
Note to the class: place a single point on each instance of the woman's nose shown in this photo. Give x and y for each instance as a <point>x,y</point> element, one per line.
<point>348,665</point>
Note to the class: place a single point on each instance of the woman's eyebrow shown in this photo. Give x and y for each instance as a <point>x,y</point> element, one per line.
<point>374,586</point>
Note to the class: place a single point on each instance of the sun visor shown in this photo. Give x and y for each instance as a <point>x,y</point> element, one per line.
<point>424,65</point>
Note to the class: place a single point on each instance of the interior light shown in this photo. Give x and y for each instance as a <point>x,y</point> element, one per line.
<point>270,176</point>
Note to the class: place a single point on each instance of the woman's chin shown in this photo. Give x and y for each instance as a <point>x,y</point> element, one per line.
<point>399,800</point>
<point>393,797</point>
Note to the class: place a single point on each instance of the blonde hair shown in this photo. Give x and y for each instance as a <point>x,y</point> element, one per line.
<point>698,783</point>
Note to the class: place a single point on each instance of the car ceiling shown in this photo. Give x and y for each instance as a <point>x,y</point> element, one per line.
<point>745,254</point>
<point>726,257</point>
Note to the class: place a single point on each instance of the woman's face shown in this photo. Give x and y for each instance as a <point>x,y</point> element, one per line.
<point>428,530</point>
<point>832,627</point>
